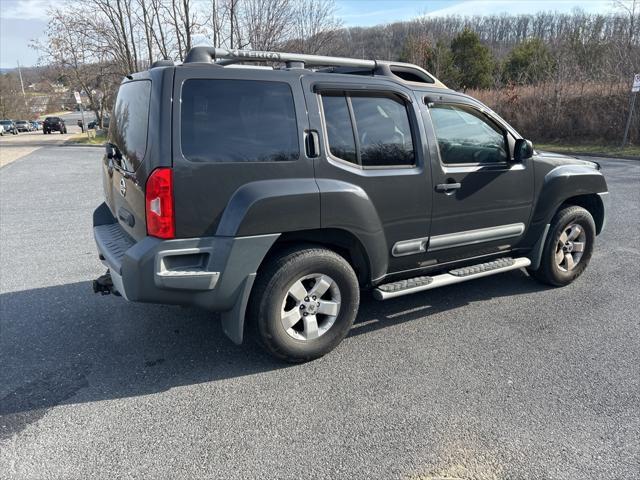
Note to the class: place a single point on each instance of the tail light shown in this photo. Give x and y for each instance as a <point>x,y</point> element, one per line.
<point>159,204</point>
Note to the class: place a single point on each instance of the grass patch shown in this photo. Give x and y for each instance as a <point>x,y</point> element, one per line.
<point>81,139</point>
<point>591,149</point>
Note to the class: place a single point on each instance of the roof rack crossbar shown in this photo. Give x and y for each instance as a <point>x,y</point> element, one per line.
<point>223,56</point>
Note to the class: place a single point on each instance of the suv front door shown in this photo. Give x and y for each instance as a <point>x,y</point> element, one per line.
<point>482,198</point>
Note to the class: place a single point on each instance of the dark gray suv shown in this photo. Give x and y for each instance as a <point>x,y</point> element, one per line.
<point>277,195</point>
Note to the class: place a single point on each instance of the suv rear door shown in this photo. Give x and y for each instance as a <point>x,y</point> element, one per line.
<point>369,132</point>
<point>124,178</point>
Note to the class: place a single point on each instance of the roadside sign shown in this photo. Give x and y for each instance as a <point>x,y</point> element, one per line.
<point>79,100</point>
<point>636,83</point>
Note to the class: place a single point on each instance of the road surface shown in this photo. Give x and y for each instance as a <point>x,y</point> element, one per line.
<point>499,378</point>
<point>14,147</point>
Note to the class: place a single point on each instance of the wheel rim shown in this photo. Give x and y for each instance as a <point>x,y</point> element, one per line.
<point>310,307</point>
<point>570,247</point>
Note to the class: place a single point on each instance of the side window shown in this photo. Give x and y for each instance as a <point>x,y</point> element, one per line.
<point>238,121</point>
<point>128,130</point>
<point>339,130</point>
<point>371,131</point>
<point>384,131</point>
<point>465,135</point>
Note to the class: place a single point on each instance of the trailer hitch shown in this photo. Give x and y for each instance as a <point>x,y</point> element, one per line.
<point>104,285</point>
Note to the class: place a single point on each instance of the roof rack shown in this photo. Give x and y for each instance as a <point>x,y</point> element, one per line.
<point>223,56</point>
<point>402,71</point>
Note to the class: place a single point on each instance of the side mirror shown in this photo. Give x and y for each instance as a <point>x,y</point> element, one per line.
<point>522,150</point>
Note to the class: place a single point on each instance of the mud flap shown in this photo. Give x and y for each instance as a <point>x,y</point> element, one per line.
<point>233,320</point>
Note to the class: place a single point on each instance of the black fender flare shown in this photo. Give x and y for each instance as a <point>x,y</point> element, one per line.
<point>346,206</point>
<point>271,206</point>
<point>559,185</point>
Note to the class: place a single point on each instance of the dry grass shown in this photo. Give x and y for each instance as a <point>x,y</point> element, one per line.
<point>630,151</point>
<point>573,113</point>
<point>82,139</point>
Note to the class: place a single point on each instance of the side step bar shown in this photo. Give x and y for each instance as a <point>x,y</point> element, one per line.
<point>420,284</point>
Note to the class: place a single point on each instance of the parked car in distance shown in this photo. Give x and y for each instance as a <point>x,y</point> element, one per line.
<point>23,126</point>
<point>276,196</point>
<point>53,124</point>
<point>9,126</point>
<point>94,123</point>
<point>1,130</point>
<point>35,125</point>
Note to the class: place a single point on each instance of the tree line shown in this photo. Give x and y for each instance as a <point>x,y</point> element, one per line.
<point>92,44</point>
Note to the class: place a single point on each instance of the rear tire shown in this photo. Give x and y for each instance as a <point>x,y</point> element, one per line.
<point>304,303</point>
<point>568,247</point>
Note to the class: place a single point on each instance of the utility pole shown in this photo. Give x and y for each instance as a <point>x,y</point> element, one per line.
<point>632,103</point>
<point>24,95</point>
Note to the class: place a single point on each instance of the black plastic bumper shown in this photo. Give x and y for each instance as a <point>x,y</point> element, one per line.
<point>211,272</point>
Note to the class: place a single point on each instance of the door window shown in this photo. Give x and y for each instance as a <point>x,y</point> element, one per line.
<point>371,131</point>
<point>465,135</point>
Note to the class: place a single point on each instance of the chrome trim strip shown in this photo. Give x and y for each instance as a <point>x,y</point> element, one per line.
<point>410,247</point>
<point>471,237</point>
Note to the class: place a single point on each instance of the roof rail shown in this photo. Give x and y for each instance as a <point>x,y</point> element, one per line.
<point>400,71</point>
<point>223,56</point>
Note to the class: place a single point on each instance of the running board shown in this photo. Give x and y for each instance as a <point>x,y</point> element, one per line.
<point>420,284</point>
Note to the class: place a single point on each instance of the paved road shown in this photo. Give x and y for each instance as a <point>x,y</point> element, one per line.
<point>493,379</point>
<point>14,147</point>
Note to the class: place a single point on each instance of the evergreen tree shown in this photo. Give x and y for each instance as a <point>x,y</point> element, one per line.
<point>472,61</point>
<point>529,62</point>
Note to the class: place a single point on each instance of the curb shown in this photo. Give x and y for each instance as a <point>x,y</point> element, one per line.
<point>74,144</point>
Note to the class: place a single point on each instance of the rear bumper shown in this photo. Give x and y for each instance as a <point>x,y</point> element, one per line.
<point>210,272</point>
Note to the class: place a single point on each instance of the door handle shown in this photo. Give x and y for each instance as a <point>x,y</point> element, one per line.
<point>447,187</point>
<point>313,144</point>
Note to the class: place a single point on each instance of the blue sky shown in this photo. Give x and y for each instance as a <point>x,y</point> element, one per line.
<point>24,20</point>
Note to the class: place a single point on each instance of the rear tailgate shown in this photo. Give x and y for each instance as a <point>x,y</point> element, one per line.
<point>124,177</point>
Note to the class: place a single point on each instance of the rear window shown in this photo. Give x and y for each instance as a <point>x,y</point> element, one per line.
<point>130,122</point>
<point>238,121</point>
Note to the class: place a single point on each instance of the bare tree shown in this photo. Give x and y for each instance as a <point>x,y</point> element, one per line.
<point>71,49</point>
<point>185,21</point>
<point>266,23</point>
<point>315,25</point>
<point>632,9</point>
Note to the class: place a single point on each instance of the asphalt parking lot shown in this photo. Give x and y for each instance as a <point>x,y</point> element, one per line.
<point>499,378</point>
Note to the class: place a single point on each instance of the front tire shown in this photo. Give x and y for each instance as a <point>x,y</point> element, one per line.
<point>568,247</point>
<point>303,303</point>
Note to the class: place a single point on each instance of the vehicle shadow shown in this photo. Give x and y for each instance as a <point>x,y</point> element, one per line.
<point>374,315</point>
<point>65,345</point>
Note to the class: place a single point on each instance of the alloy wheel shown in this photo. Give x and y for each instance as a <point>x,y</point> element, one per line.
<point>310,307</point>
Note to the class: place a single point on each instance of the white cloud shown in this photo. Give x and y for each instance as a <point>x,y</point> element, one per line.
<point>25,9</point>
<point>488,7</point>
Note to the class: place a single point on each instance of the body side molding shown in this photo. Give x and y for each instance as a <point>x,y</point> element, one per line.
<point>471,237</point>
